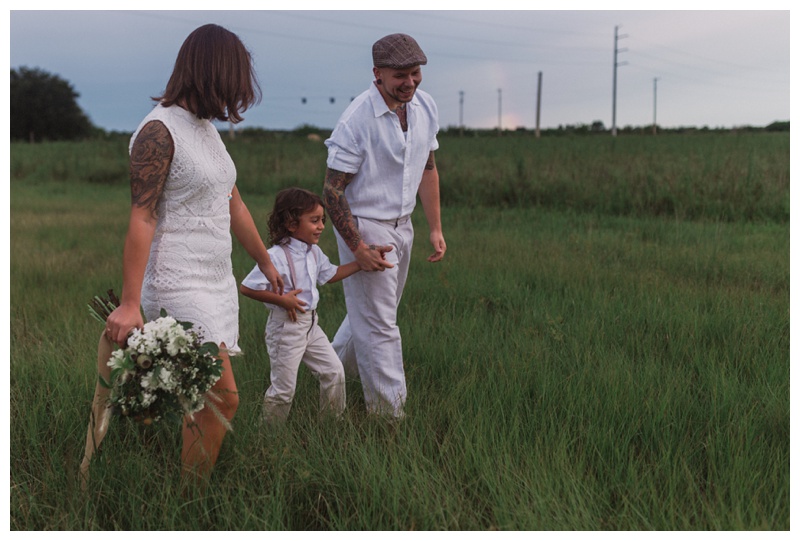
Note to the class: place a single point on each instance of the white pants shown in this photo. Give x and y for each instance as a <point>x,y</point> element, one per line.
<point>290,343</point>
<point>368,341</point>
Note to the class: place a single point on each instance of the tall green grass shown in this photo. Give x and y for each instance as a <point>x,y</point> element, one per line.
<point>567,370</point>
<point>721,176</point>
<point>718,176</point>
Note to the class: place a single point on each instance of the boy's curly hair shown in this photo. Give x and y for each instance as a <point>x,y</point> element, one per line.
<point>290,204</point>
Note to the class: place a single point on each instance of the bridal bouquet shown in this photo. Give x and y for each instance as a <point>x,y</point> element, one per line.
<point>164,371</point>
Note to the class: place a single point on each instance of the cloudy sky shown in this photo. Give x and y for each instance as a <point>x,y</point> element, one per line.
<point>688,68</point>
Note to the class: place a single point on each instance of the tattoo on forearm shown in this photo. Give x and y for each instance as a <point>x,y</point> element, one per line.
<point>338,208</point>
<point>431,164</point>
<point>151,157</point>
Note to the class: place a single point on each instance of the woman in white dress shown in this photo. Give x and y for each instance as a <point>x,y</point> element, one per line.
<point>184,205</point>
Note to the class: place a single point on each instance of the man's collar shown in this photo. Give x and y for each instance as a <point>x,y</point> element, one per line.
<point>379,104</point>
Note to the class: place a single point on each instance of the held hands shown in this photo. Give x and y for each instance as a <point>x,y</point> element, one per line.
<point>372,257</point>
<point>292,304</point>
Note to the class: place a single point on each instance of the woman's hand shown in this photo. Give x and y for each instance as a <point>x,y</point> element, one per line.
<point>121,322</point>
<point>273,276</point>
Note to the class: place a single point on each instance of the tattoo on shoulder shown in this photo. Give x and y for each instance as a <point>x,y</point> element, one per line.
<point>431,164</point>
<point>151,156</point>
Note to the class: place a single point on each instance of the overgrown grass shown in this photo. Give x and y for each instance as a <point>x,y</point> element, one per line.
<point>719,176</point>
<point>567,370</point>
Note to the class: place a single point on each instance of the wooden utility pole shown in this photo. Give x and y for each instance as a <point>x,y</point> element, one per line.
<point>614,89</point>
<point>461,111</point>
<point>538,105</point>
<point>655,86</point>
<point>499,111</point>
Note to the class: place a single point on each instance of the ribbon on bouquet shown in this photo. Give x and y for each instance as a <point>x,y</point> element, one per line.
<point>100,415</point>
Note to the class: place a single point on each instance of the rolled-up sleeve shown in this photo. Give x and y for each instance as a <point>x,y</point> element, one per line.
<point>343,150</point>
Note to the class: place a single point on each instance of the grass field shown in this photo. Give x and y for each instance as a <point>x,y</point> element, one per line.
<point>605,347</point>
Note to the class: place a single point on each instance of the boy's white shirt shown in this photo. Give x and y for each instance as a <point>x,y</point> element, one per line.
<point>311,265</point>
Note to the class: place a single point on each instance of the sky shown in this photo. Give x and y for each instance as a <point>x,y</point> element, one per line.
<point>679,67</point>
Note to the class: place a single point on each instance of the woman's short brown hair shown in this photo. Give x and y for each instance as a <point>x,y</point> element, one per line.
<point>290,204</point>
<point>213,76</point>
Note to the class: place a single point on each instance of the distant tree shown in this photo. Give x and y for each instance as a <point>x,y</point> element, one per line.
<point>44,107</point>
<point>598,126</point>
<point>778,126</point>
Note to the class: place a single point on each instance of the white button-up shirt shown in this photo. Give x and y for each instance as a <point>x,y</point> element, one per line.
<point>387,164</point>
<point>311,265</point>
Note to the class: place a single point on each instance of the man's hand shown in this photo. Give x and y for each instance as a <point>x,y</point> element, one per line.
<point>439,247</point>
<point>372,257</point>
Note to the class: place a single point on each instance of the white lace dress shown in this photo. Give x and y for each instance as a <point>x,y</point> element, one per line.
<point>189,272</point>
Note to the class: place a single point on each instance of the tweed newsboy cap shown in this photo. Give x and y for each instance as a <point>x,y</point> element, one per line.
<point>397,51</point>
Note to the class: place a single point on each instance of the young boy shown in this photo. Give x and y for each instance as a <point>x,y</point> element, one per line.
<point>292,334</point>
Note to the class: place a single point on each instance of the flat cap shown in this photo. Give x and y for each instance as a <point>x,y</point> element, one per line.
<point>397,51</point>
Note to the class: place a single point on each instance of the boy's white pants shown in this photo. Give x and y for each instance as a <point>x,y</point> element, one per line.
<point>288,344</point>
<point>368,341</point>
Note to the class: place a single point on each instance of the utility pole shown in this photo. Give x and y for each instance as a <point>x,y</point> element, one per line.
<point>617,37</point>
<point>499,111</point>
<point>538,104</point>
<point>461,111</point>
<point>655,87</point>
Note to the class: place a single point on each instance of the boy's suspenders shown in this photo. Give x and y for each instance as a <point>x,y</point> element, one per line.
<point>291,265</point>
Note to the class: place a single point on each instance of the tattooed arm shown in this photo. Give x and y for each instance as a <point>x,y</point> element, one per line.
<point>151,156</point>
<point>369,257</point>
<point>429,196</point>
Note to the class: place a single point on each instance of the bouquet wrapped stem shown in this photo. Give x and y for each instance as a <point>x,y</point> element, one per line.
<point>100,415</point>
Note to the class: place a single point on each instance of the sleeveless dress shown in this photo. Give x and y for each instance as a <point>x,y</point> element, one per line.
<point>189,273</point>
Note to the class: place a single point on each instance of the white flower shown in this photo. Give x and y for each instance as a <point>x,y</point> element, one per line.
<point>117,359</point>
<point>168,382</point>
<point>134,338</point>
<point>149,381</point>
<point>177,342</point>
<point>160,328</point>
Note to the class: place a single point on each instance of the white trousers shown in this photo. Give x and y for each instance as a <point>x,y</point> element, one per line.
<point>368,341</point>
<point>289,343</point>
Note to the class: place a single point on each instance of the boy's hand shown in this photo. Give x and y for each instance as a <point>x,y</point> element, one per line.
<point>292,304</point>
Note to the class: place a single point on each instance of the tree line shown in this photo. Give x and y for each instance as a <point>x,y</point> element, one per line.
<point>44,107</point>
